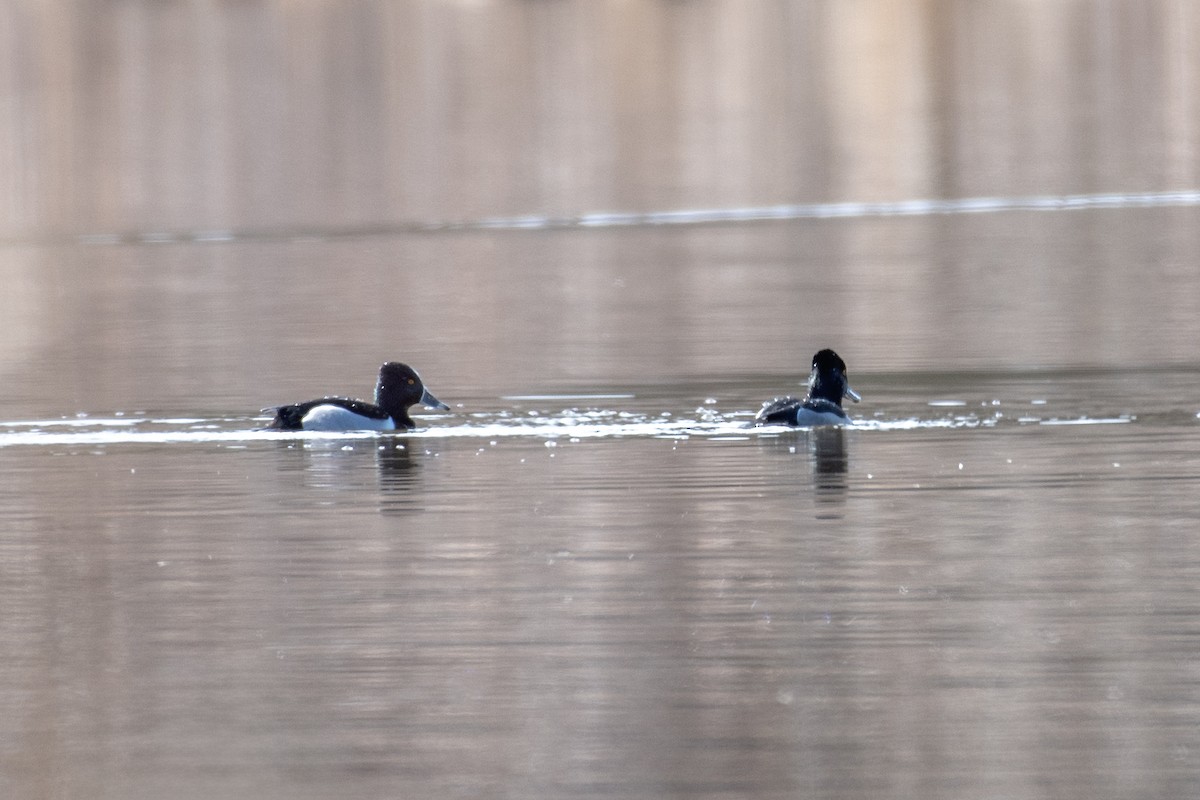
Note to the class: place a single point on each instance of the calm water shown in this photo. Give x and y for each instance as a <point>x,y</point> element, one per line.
<point>604,233</point>
<point>985,588</point>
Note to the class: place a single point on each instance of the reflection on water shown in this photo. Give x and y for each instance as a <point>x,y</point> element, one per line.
<point>624,614</point>
<point>605,231</point>
<point>830,461</point>
<point>157,118</point>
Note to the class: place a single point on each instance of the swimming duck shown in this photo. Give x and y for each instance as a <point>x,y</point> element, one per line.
<point>822,405</point>
<point>399,387</point>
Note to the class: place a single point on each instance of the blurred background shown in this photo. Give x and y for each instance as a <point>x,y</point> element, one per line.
<point>150,116</point>
<point>199,199</point>
<point>580,213</point>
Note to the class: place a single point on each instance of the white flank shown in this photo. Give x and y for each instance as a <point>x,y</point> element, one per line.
<point>336,418</point>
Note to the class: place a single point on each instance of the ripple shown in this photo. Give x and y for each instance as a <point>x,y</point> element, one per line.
<point>572,424</point>
<point>911,207</point>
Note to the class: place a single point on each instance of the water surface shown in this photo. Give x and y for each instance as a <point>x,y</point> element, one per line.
<point>985,585</point>
<point>604,233</point>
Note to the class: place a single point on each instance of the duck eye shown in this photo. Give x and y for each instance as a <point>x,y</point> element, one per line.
<point>411,381</point>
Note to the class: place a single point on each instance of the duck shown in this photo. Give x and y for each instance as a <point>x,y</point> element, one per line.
<point>827,386</point>
<point>399,388</point>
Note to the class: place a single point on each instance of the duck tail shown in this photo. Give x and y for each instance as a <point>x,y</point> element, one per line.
<point>287,418</point>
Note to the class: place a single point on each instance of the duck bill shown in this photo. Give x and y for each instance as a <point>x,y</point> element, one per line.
<point>429,401</point>
<point>853,395</point>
